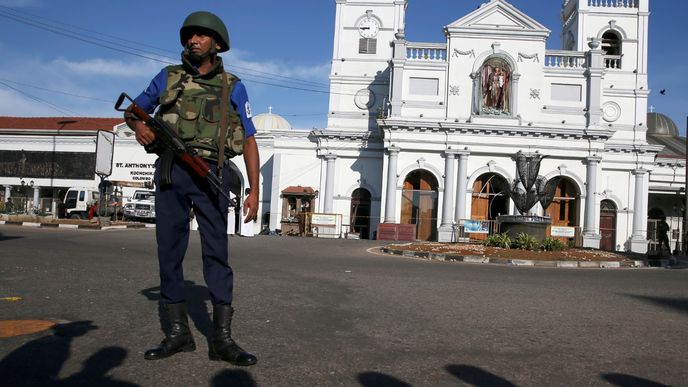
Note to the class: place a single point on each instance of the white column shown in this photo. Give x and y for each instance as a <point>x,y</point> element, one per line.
<point>445,231</point>
<point>8,192</point>
<point>391,196</point>
<point>330,159</point>
<point>638,238</point>
<point>448,197</point>
<point>461,189</point>
<point>36,197</point>
<point>514,91</point>
<point>275,201</point>
<point>594,74</point>
<point>591,237</point>
<point>396,84</point>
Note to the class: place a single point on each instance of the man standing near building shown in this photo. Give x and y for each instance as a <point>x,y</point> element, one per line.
<point>193,100</point>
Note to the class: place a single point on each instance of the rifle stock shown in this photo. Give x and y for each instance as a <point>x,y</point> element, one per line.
<point>173,142</point>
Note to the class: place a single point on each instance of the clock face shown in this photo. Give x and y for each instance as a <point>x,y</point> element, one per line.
<point>368,27</point>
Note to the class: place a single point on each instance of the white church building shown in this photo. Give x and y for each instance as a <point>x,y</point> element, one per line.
<point>427,133</point>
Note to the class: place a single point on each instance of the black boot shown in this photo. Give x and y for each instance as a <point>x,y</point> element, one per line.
<point>179,338</point>
<point>222,347</point>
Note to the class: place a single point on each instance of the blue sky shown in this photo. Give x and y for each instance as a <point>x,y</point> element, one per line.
<point>281,49</point>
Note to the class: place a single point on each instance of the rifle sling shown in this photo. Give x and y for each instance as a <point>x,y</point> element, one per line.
<point>223,126</point>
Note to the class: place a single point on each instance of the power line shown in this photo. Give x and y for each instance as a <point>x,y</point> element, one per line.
<point>57,91</point>
<point>17,16</point>
<point>245,73</point>
<point>60,109</point>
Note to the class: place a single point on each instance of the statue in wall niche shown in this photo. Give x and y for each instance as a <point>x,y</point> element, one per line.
<point>531,188</point>
<point>496,87</point>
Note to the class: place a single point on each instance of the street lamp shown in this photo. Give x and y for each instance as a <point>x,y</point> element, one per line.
<point>61,124</point>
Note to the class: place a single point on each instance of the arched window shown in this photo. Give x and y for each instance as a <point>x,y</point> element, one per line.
<point>495,82</point>
<point>611,45</point>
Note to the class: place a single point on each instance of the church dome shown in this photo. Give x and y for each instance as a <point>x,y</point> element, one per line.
<point>268,121</point>
<point>659,124</point>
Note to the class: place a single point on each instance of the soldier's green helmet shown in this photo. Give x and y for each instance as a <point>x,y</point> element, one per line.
<point>210,21</point>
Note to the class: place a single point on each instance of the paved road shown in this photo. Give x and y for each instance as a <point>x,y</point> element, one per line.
<point>329,313</point>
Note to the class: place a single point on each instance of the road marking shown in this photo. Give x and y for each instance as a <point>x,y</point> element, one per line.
<point>11,328</point>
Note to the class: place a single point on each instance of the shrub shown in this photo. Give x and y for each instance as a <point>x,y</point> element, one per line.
<point>552,244</point>
<point>498,240</point>
<point>525,241</point>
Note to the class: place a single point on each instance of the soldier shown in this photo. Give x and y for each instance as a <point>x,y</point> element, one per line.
<point>202,102</point>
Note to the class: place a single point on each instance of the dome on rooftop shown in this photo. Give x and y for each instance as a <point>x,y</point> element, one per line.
<point>659,124</point>
<point>268,121</point>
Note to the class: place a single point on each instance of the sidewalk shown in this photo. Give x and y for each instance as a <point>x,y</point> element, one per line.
<point>76,225</point>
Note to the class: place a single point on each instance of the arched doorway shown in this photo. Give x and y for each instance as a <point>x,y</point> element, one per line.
<point>360,213</point>
<point>489,199</point>
<point>564,207</point>
<point>608,225</point>
<point>419,204</point>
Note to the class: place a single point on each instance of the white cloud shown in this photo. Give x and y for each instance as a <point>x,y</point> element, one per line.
<point>239,61</point>
<point>111,67</point>
<point>13,104</point>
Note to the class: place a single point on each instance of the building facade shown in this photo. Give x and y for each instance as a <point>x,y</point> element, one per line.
<point>427,133</point>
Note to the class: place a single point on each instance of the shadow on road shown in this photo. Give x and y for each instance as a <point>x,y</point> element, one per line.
<point>236,378</point>
<point>196,306</point>
<point>38,362</point>
<point>679,304</point>
<point>376,379</point>
<point>476,376</point>
<point>623,380</point>
<point>7,237</point>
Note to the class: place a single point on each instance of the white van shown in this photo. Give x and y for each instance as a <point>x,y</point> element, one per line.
<point>76,202</point>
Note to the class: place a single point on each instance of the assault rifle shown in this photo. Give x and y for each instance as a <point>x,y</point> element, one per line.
<point>171,141</point>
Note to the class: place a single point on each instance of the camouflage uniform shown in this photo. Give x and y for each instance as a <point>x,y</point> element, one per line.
<point>191,105</point>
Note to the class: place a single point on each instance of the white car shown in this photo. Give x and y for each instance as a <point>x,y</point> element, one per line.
<point>141,207</point>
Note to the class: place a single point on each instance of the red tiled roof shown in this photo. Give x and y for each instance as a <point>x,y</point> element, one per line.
<point>50,123</point>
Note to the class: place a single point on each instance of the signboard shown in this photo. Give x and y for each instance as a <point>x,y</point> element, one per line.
<point>563,232</point>
<point>476,226</point>
<point>105,148</point>
<point>132,166</point>
<point>324,219</point>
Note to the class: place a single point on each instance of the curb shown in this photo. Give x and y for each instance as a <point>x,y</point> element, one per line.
<point>76,226</point>
<point>517,262</point>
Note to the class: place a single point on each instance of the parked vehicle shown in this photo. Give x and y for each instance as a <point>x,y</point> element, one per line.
<point>141,207</point>
<point>78,202</point>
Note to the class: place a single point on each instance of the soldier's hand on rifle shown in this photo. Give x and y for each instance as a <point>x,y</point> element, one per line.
<point>144,134</point>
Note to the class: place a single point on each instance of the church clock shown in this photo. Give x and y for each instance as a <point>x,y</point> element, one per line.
<point>368,27</point>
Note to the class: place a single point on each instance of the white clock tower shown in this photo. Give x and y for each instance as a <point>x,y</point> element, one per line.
<point>359,80</point>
